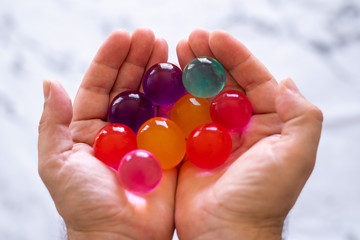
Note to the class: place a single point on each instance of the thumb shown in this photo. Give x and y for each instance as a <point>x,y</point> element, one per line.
<point>54,134</point>
<point>302,126</point>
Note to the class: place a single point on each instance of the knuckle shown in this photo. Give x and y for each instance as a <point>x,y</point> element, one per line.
<point>42,124</point>
<point>314,112</point>
<point>41,172</point>
<point>317,113</point>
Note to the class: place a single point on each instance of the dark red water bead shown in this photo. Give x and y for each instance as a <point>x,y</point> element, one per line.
<point>231,109</point>
<point>131,108</point>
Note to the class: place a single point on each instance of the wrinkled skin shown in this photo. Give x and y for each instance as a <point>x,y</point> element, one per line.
<point>248,197</point>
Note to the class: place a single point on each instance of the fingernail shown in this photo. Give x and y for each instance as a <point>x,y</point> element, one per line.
<point>46,88</point>
<point>289,84</point>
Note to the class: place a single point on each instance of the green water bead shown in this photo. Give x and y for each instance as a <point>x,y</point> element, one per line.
<point>204,77</point>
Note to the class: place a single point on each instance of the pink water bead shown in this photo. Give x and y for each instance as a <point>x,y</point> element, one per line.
<point>231,109</point>
<point>139,171</point>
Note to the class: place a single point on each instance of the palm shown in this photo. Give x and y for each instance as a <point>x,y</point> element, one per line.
<point>256,183</point>
<point>87,193</point>
<point>105,205</point>
<point>260,182</point>
<point>229,191</point>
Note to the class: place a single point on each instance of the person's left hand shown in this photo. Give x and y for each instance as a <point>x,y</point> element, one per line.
<point>86,192</point>
<point>250,195</point>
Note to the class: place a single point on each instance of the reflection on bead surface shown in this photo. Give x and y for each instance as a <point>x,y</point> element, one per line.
<point>112,142</point>
<point>131,108</point>
<point>139,171</point>
<point>208,146</point>
<point>190,112</point>
<point>163,84</point>
<point>204,77</point>
<point>164,139</point>
<point>231,109</point>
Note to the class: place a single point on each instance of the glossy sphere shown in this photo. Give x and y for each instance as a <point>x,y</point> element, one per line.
<point>164,139</point>
<point>139,171</point>
<point>162,83</point>
<point>131,108</point>
<point>190,112</point>
<point>208,146</point>
<point>231,109</point>
<point>204,77</point>
<point>112,142</point>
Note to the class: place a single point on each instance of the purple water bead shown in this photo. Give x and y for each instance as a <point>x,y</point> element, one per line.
<point>163,84</point>
<point>132,109</point>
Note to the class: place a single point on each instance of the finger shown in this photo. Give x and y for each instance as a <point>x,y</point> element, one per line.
<point>54,134</point>
<point>158,55</point>
<point>199,43</point>
<point>132,70</point>
<point>184,53</point>
<point>302,127</point>
<point>92,99</point>
<point>85,131</point>
<point>246,70</point>
<point>259,127</point>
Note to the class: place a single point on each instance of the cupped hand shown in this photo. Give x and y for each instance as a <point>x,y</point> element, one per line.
<point>249,196</point>
<point>87,193</point>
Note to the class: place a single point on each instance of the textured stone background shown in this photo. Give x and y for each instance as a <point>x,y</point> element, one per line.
<point>316,42</point>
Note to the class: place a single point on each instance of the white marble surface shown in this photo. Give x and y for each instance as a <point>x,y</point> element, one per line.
<point>316,42</point>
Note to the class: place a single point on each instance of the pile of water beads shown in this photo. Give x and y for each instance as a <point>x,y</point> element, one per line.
<point>140,142</point>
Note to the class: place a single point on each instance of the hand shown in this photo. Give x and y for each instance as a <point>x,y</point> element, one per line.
<point>250,196</point>
<point>86,192</point>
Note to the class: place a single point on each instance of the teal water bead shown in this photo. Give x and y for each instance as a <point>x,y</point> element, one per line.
<point>204,77</point>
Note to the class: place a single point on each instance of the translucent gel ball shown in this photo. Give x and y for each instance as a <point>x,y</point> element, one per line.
<point>131,108</point>
<point>208,146</point>
<point>139,171</point>
<point>164,139</point>
<point>162,83</point>
<point>112,142</point>
<point>204,77</point>
<point>231,109</point>
<point>190,112</point>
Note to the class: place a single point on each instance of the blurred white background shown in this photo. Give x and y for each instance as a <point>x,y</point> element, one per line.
<point>316,42</point>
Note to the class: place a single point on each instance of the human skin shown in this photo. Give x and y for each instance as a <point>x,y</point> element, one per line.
<point>87,193</point>
<point>246,198</point>
<point>250,196</point>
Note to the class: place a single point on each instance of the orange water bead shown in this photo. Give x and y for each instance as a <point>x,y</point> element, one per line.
<point>163,138</point>
<point>190,112</point>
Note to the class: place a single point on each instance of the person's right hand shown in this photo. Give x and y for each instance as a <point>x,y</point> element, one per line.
<point>86,192</point>
<point>250,196</point>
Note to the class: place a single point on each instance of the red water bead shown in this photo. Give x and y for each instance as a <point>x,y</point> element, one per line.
<point>112,142</point>
<point>208,146</point>
<point>231,109</point>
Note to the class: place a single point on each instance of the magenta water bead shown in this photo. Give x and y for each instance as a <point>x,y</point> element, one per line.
<point>139,171</point>
<point>162,83</point>
<point>132,109</point>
